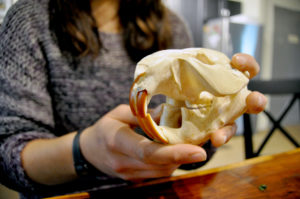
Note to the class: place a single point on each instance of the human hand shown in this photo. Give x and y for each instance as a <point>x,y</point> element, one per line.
<point>115,149</point>
<point>255,101</point>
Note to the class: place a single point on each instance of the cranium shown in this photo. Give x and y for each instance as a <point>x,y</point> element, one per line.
<point>203,93</point>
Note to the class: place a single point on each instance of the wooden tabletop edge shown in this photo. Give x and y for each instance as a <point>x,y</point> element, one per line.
<point>243,163</point>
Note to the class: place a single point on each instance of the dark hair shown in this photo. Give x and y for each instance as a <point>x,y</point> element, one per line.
<point>144,24</point>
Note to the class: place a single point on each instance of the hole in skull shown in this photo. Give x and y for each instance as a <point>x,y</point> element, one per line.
<point>156,100</point>
<point>171,114</point>
<point>179,121</point>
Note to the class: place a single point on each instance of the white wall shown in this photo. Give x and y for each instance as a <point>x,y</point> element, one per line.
<point>263,11</point>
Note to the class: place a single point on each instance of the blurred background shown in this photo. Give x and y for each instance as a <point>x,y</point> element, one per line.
<point>269,30</point>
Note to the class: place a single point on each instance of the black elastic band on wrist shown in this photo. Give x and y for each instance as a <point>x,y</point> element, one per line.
<point>82,166</point>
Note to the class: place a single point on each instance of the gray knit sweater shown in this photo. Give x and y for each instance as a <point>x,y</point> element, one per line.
<point>45,93</point>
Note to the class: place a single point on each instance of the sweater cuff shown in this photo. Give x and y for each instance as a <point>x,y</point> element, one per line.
<point>11,163</point>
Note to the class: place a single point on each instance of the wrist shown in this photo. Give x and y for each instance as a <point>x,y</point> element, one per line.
<point>81,165</point>
<point>49,161</point>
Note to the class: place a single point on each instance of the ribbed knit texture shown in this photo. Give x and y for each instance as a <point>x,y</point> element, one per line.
<point>45,93</point>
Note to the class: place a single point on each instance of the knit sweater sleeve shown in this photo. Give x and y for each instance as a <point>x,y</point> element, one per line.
<point>25,104</point>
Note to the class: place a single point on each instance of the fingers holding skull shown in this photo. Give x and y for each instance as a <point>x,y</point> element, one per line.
<point>223,135</point>
<point>115,149</point>
<point>255,101</point>
<point>244,62</point>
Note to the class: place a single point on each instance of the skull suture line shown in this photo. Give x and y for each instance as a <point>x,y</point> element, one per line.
<point>203,93</point>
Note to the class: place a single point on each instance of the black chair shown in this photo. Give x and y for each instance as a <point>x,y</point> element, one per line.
<point>272,87</point>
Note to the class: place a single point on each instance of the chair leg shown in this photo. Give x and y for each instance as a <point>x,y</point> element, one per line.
<point>298,96</point>
<point>265,140</point>
<point>277,125</point>
<point>248,136</point>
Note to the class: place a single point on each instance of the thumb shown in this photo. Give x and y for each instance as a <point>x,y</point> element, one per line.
<point>123,114</point>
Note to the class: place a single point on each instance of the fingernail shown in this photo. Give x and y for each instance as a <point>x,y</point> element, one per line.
<point>225,139</point>
<point>261,100</point>
<point>231,131</point>
<point>198,157</point>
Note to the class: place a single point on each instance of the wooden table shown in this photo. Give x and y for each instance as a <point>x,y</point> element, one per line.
<point>275,176</point>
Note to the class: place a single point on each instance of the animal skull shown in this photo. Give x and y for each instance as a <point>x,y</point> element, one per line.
<point>203,93</point>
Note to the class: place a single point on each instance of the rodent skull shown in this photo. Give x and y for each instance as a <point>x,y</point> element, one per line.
<point>203,93</point>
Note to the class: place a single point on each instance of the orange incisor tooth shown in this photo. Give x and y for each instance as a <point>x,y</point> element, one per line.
<point>146,130</point>
<point>144,119</point>
<point>132,102</point>
<point>132,96</point>
<point>142,103</point>
<point>151,125</point>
